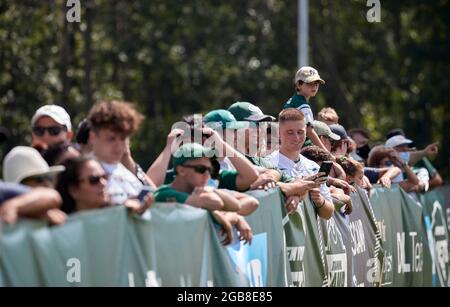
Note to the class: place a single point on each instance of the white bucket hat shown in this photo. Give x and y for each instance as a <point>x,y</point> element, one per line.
<point>23,162</point>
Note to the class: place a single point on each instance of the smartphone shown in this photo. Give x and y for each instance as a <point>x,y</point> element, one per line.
<point>326,167</point>
<point>145,190</point>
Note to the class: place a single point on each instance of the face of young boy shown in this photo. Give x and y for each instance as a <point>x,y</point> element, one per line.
<point>309,89</point>
<point>108,146</point>
<point>292,135</point>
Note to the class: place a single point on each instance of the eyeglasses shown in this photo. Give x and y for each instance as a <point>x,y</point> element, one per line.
<point>200,169</point>
<point>52,130</point>
<point>94,180</point>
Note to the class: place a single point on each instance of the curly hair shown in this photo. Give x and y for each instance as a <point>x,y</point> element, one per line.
<point>377,154</point>
<point>118,116</point>
<point>328,115</point>
<point>316,154</point>
<point>350,165</point>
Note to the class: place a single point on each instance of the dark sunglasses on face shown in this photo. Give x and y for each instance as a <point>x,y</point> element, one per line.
<point>52,130</point>
<point>200,169</point>
<point>94,180</point>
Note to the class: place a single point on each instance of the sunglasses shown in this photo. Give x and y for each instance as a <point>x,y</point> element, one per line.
<point>200,169</point>
<point>52,130</point>
<point>94,180</point>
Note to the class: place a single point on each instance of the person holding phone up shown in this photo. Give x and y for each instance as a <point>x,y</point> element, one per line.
<point>292,128</point>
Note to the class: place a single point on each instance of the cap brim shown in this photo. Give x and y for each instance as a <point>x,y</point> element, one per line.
<point>237,125</point>
<point>53,170</point>
<point>260,118</point>
<point>334,136</point>
<point>313,79</point>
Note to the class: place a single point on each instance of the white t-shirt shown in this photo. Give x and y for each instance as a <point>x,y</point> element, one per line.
<point>122,184</point>
<point>226,165</point>
<point>302,168</point>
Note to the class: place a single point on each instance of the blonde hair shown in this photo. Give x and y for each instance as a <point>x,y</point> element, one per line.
<point>328,115</point>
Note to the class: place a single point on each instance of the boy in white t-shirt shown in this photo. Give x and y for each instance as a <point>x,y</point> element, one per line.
<point>112,124</point>
<point>292,127</point>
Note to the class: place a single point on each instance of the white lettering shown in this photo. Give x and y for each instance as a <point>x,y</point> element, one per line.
<point>374,14</point>
<point>74,273</point>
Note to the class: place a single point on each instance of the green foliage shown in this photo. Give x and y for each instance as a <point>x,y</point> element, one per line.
<point>178,57</point>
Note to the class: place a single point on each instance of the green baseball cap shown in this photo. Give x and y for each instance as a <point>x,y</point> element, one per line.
<point>245,111</point>
<point>223,119</point>
<point>191,151</point>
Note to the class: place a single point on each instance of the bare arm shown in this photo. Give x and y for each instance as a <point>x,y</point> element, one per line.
<point>412,181</point>
<point>157,171</point>
<point>247,174</point>
<point>315,138</point>
<point>33,204</point>
<point>248,203</point>
<point>206,200</point>
<point>230,203</point>
<point>416,156</point>
<point>325,209</point>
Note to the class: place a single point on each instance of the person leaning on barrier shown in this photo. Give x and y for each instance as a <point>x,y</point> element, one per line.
<point>238,179</point>
<point>417,159</point>
<point>193,168</point>
<point>292,127</point>
<point>340,189</point>
<point>269,176</point>
<point>26,166</point>
<point>355,174</point>
<point>83,186</point>
<point>381,156</point>
<point>112,125</point>
<point>19,201</point>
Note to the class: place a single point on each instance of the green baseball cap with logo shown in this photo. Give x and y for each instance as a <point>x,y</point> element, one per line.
<point>191,151</point>
<point>245,111</point>
<point>223,119</point>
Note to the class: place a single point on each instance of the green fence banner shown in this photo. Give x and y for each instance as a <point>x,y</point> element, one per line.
<point>305,248</point>
<point>395,239</point>
<point>405,251</point>
<point>437,229</point>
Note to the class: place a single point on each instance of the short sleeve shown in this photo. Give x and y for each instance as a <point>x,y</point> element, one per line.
<point>168,194</point>
<point>227,180</point>
<point>11,190</point>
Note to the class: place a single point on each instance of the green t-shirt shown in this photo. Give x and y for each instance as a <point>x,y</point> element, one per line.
<point>425,163</point>
<point>300,103</point>
<point>227,180</point>
<point>167,194</point>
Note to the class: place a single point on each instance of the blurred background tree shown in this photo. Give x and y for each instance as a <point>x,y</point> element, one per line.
<point>174,58</point>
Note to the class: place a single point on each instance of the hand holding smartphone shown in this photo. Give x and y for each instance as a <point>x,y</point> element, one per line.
<point>145,190</point>
<point>326,168</point>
